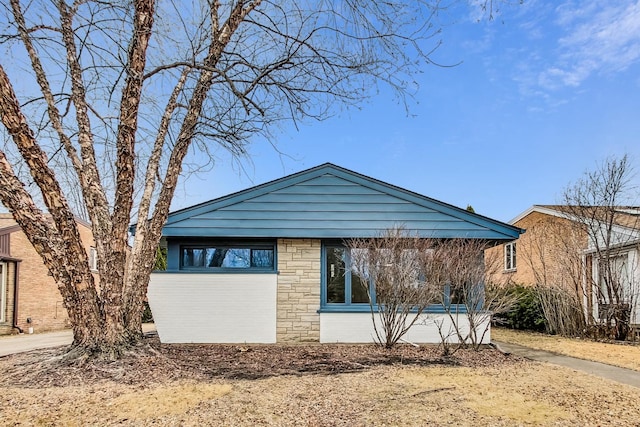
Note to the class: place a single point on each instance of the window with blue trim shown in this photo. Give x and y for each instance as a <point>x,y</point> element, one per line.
<point>341,285</point>
<point>240,256</point>
<point>343,289</point>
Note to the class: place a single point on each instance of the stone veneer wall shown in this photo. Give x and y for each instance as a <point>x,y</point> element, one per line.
<point>297,318</point>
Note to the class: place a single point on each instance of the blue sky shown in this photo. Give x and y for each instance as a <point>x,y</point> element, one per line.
<point>545,91</point>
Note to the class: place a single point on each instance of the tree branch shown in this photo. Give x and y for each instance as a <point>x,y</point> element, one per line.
<point>36,159</point>
<point>95,198</point>
<point>128,123</point>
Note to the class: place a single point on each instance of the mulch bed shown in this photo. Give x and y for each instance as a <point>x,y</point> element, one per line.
<point>152,362</point>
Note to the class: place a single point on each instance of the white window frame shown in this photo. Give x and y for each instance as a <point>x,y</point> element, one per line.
<point>622,263</point>
<point>510,256</point>
<point>93,259</point>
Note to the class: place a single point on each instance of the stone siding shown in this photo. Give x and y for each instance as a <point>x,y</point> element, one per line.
<point>298,290</point>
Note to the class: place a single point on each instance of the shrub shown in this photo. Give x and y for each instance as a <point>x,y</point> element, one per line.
<point>562,310</point>
<point>527,313</point>
<point>147,317</point>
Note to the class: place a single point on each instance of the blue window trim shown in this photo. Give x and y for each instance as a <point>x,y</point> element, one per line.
<point>347,305</point>
<point>234,243</point>
<point>365,308</point>
<point>326,307</point>
<point>218,271</point>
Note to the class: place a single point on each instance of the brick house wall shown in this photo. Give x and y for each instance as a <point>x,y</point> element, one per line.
<point>537,249</point>
<point>298,301</point>
<point>38,296</point>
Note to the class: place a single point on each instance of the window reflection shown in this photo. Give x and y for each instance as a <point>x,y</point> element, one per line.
<point>335,275</point>
<point>359,289</point>
<point>228,257</point>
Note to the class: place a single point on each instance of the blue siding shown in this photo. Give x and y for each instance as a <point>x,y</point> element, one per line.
<point>173,256</point>
<point>330,202</point>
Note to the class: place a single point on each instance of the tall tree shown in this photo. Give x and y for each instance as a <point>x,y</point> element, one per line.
<point>552,249</point>
<point>104,103</point>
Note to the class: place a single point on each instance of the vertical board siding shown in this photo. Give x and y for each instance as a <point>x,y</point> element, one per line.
<point>358,328</point>
<point>5,244</point>
<point>214,308</point>
<point>633,284</point>
<point>630,288</point>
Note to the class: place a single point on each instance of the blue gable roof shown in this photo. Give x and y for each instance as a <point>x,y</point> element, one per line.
<point>328,201</point>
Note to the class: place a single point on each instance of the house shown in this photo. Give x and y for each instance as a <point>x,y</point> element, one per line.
<point>540,254</point>
<point>256,266</point>
<point>558,250</point>
<point>29,297</point>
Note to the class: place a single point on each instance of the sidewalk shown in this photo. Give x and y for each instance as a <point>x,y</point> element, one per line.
<point>614,373</point>
<point>25,342</point>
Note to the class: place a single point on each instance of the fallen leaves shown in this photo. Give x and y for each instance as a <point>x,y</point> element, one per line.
<point>307,385</point>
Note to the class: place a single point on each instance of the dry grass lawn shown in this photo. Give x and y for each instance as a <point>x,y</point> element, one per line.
<point>520,394</point>
<point>200,385</point>
<point>624,355</point>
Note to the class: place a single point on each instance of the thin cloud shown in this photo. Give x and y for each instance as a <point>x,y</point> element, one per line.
<point>599,37</point>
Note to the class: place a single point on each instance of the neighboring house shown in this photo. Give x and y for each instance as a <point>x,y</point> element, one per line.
<point>29,297</point>
<point>269,264</point>
<point>538,255</point>
<point>555,250</point>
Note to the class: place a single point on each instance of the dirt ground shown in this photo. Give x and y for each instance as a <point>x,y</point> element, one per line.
<point>623,354</point>
<point>305,385</point>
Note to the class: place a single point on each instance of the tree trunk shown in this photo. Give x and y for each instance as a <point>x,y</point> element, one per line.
<point>99,87</point>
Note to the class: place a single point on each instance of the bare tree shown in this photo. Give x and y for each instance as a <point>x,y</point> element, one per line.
<point>552,248</point>
<point>404,275</point>
<point>468,291</point>
<point>129,92</point>
<point>598,203</point>
<point>401,277</point>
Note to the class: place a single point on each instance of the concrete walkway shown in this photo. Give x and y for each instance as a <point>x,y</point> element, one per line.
<point>621,375</point>
<point>25,342</point>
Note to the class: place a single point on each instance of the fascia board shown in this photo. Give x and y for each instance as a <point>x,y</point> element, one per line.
<point>539,209</point>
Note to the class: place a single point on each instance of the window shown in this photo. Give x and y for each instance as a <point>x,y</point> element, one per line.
<point>228,257</point>
<point>510,256</point>
<point>615,279</point>
<point>93,259</point>
<point>342,285</point>
<point>343,289</point>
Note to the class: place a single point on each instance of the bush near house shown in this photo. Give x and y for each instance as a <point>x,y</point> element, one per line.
<point>527,314</point>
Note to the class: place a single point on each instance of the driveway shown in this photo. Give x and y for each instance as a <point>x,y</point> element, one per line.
<point>25,342</point>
